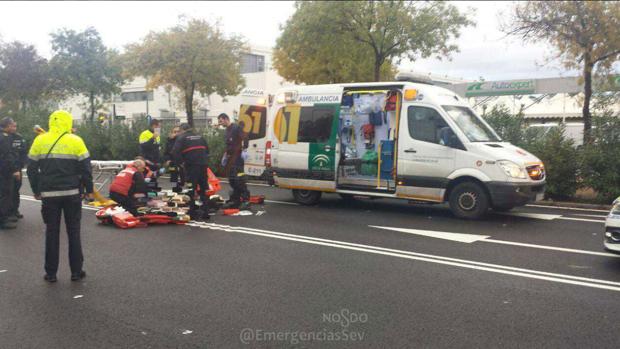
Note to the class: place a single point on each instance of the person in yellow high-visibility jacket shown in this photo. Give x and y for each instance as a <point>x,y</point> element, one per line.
<point>149,145</point>
<point>60,173</point>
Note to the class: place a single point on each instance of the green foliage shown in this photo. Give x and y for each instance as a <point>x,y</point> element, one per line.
<point>26,119</point>
<point>601,159</point>
<point>24,76</point>
<point>217,145</point>
<point>313,50</point>
<point>82,65</point>
<point>585,35</point>
<point>510,127</point>
<point>559,156</point>
<point>193,56</point>
<point>328,37</point>
<point>118,141</point>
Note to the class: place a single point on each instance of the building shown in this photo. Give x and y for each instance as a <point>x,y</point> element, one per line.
<point>135,102</point>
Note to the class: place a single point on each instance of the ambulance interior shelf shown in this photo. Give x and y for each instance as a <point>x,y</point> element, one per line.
<point>367,133</point>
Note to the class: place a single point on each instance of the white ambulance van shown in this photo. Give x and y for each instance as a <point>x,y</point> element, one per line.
<point>253,114</point>
<point>406,140</point>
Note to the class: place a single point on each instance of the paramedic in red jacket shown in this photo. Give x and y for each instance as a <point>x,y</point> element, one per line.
<point>129,185</point>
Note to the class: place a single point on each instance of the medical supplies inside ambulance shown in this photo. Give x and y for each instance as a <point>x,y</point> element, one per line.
<point>367,121</point>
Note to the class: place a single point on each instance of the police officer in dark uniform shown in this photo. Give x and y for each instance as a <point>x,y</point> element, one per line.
<point>20,149</point>
<point>9,172</point>
<point>236,146</point>
<point>191,150</point>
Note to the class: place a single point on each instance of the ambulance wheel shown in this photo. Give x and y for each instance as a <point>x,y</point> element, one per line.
<point>307,197</point>
<point>469,200</point>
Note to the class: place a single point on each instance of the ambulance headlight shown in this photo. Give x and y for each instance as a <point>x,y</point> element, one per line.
<point>512,170</point>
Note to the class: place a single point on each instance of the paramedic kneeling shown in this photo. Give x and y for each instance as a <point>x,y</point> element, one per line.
<point>129,185</point>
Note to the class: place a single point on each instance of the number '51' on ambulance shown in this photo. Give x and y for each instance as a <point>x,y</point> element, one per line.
<point>405,139</point>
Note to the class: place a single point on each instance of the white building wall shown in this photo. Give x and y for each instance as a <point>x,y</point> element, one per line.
<point>166,105</point>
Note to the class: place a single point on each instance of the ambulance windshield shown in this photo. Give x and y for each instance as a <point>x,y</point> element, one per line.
<point>471,125</point>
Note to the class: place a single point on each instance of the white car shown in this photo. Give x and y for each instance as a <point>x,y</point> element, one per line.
<point>612,228</point>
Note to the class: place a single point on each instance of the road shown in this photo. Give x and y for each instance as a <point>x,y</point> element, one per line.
<point>361,274</point>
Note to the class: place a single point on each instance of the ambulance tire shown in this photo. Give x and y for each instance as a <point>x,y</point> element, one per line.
<point>469,200</point>
<point>307,197</point>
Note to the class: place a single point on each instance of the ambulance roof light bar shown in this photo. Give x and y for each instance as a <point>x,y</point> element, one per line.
<point>413,77</point>
<point>287,97</point>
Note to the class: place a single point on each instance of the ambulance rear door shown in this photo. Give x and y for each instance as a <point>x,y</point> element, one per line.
<point>253,114</point>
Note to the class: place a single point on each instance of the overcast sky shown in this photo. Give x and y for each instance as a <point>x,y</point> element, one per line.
<point>484,50</point>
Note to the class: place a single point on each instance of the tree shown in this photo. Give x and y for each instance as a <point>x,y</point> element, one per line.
<point>24,75</point>
<point>194,56</point>
<point>383,32</point>
<point>585,34</point>
<point>82,65</point>
<point>312,49</point>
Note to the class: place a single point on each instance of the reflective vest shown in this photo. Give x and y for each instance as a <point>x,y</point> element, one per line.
<point>123,181</point>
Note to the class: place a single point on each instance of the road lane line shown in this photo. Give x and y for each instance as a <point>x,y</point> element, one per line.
<point>470,238</point>
<point>282,202</point>
<point>590,215</point>
<point>568,208</point>
<point>495,268</point>
<point>543,216</point>
<point>84,207</point>
<point>562,249</point>
<point>582,219</point>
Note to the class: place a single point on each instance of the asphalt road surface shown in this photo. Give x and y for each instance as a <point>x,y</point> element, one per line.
<point>360,274</point>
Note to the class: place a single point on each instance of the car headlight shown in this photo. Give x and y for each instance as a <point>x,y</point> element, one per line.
<point>512,170</point>
<point>617,201</point>
<point>615,209</point>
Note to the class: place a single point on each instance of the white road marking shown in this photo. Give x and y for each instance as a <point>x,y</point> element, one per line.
<point>582,219</point>
<point>3,271</point>
<point>494,268</point>
<point>282,202</point>
<point>188,332</point>
<point>78,296</point>
<point>466,238</point>
<point>590,215</point>
<point>543,216</point>
<point>568,208</point>
<point>84,207</point>
<point>469,238</point>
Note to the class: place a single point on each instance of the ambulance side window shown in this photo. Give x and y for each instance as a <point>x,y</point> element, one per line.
<point>315,124</point>
<point>425,124</point>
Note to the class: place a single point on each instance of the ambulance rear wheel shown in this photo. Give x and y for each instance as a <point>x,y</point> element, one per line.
<point>307,197</point>
<point>469,200</point>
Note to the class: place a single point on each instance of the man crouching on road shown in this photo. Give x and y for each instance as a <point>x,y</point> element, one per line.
<point>59,167</point>
<point>129,185</point>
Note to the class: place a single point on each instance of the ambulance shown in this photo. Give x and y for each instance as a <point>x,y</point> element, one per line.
<point>407,140</point>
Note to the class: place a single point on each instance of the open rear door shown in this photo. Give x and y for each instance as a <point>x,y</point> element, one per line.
<point>254,118</point>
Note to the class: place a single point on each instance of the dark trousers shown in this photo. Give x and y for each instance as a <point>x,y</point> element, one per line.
<point>125,201</point>
<point>6,197</point>
<point>17,184</point>
<point>197,176</point>
<point>52,210</point>
<point>177,176</point>
<point>238,182</point>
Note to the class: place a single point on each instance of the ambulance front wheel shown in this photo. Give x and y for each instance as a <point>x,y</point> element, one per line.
<point>469,200</point>
<point>307,197</point>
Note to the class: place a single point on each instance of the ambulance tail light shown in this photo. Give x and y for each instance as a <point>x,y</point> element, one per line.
<point>268,154</point>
